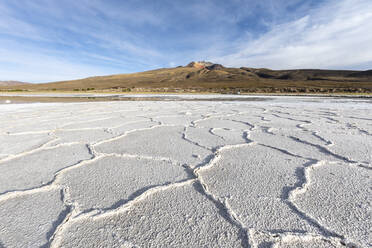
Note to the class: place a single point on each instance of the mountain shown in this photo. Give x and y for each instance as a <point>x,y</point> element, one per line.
<point>362,74</point>
<point>209,77</point>
<point>11,83</point>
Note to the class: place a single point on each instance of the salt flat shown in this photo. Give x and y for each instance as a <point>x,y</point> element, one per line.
<point>270,172</point>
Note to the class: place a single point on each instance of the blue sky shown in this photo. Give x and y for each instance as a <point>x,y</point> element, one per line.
<point>52,40</point>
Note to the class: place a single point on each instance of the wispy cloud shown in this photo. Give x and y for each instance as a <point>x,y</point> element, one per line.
<point>335,35</point>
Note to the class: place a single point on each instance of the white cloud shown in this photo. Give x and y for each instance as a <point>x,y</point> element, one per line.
<point>336,35</point>
<point>54,46</point>
<point>88,21</point>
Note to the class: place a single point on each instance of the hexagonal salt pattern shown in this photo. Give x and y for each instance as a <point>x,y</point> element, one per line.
<point>286,172</point>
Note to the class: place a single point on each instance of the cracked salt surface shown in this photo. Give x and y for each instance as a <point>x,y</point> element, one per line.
<point>213,138</point>
<point>39,168</point>
<point>175,217</point>
<point>28,220</point>
<point>288,172</point>
<point>159,142</point>
<point>254,184</point>
<point>21,143</point>
<point>346,206</point>
<point>110,181</point>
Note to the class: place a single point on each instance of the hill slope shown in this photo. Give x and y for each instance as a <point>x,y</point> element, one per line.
<point>206,76</point>
<point>11,83</point>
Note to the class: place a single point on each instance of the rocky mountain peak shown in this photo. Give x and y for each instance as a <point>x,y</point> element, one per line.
<point>205,65</point>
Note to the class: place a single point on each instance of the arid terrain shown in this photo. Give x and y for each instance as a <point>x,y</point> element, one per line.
<point>215,78</point>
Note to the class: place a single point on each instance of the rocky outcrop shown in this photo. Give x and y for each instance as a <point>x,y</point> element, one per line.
<point>205,65</point>
<point>215,67</point>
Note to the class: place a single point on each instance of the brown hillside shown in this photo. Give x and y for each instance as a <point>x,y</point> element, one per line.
<point>362,74</point>
<point>205,76</point>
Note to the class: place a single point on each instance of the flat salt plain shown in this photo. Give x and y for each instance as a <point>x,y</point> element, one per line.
<point>269,172</point>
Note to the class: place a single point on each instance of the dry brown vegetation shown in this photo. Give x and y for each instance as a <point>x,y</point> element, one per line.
<point>216,78</point>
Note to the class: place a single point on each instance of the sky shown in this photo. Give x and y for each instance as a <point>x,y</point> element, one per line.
<point>53,40</point>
